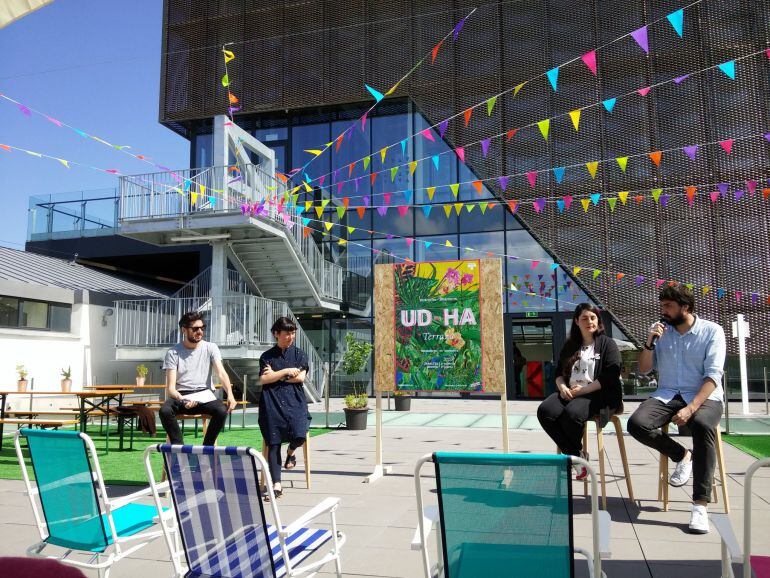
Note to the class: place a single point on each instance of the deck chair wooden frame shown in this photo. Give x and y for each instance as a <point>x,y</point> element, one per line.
<point>281,543</point>
<point>430,517</point>
<point>120,542</point>
<point>731,551</point>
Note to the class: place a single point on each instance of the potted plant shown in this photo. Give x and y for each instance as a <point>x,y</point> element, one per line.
<point>403,400</point>
<point>141,374</point>
<point>66,382</point>
<point>354,361</point>
<point>21,384</point>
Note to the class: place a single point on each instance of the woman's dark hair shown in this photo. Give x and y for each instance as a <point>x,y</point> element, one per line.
<point>189,318</point>
<point>679,293</point>
<point>283,324</point>
<point>571,350</point>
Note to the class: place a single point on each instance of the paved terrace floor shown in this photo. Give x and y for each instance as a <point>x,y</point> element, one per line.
<point>379,519</point>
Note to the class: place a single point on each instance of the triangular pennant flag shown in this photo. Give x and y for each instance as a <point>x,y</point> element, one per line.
<point>503,183</point>
<point>738,295</point>
<point>402,210</point>
<point>386,198</point>
<point>575,116</point>
<point>403,146</point>
<point>477,185</point>
<point>308,205</point>
<point>372,178</point>
<point>622,163</point>
<point>393,172</point>
<point>656,194</point>
<point>328,225</point>
<point>539,205</point>
<point>589,59</point>
<point>513,206</point>
<point>228,54</point>
<point>727,145</point>
<point>558,173</point>
<point>361,212</point>
<point>517,88</point>
<point>597,272</point>
<point>595,197</point>
<point>483,207</point>
<point>435,159</point>
<point>448,243</point>
<point>65,163</point>
<point>681,79</point>
<point>383,154</point>
<point>609,104</point>
<point>460,151</point>
<point>428,244</point>
<point>728,68</point>
<point>690,191</point>
<point>553,77</point>
<point>659,282</point>
<point>619,276</point>
<point>314,152</point>
<point>367,160</point>
<point>340,211</point>
<point>363,121</point>
<point>319,211</point>
<point>664,200</point>
<point>586,203</point>
<point>643,91</point>
<point>532,178</point>
<point>567,202</point>
<point>345,202</point>
<point>560,205</point>
<point>434,52</point>
<point>232,98</point>
<point>382,210</point>
<point>409,241</point>
<point>428,134</point>
<point>342,241</point>
<point>640,35</point>
<point>714,195</point>
<point>458,207</point>
<point>752,187</point>
<point>676,19</point>
<point>351,230</point>
<point>225,81</point>
<point>426,210</point>
<point>592,166</point>
<point>623,196</point>
<point>723,188</point>
<point>512,133</point>
<point>544,126</point>
<point>576,270</point>
<point>720,293</point>
<point>691,151</point>
<point>655,157</point>
<point>431,191</point>
<point>447,210</point>
<point>491,105</point>
<point>612,201</point>
<point>378,96</point>
<point>534,264</point>
<point>738,194</point>
<point>485,146</point>
<point>469,207</point>
<point>467,115</point>
<point>455,188</point>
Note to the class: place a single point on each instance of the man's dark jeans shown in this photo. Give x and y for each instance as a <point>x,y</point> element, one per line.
<point>645,426</point>
<point>173,407</point>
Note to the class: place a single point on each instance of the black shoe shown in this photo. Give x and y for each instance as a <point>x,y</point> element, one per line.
<point>291,462</point>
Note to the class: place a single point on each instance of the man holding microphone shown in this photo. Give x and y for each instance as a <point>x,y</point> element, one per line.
<point>689,355</point>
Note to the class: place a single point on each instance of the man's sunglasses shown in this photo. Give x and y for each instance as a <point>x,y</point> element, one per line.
<point>197,327</point>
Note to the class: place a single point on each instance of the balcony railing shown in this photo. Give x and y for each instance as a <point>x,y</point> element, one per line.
<point>243,320</point>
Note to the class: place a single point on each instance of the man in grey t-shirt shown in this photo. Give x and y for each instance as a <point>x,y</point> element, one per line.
<point>189,388</point>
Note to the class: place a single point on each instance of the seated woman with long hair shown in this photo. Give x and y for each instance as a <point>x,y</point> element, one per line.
<point>588,382</point>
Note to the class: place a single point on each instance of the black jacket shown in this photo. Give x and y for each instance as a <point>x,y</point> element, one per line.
<point>606,370</point>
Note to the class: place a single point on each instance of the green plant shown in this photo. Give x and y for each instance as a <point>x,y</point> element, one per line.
<point>354,361</point>
<point>356,400</point>
<point>66,373</point>
<point>21,371</point>
<point>401,393</point>
<point>141,370</point>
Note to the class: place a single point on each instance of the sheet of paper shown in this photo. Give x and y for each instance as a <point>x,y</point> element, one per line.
<point>203,396</point>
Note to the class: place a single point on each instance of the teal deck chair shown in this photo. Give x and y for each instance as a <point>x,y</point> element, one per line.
<point>78,523</point>
<point>505,515</point>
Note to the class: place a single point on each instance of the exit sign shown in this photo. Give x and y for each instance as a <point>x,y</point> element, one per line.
<point>531,314</point>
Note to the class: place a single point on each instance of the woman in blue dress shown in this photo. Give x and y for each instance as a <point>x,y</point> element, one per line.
<point>283,413</point>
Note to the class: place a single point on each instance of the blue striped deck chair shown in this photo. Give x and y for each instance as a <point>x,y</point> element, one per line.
<point>754,566</point>
<point>505,515</point>
<point>222,521</point>
<point>78,523</point>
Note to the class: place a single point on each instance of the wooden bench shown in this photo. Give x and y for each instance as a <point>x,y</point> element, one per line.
<point>42,423</point>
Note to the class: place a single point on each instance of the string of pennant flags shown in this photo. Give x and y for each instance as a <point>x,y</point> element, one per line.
<point>232,100</point>
<point>676,21</point>
<point>754,297</point>
<point>485,144</point>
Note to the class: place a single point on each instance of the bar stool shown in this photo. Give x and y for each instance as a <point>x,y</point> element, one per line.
<point>305,454</point>
<point>663,474</point>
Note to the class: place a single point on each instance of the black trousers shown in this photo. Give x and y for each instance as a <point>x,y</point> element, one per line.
<point>173,407</point>
<point>274,460</point>
<point>645,426</point>
<point>564,420</point>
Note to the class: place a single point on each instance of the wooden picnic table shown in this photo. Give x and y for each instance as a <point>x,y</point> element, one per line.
<point>88,401</point>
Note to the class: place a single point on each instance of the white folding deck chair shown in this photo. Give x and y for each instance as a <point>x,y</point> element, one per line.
<point>221,521</point>
<point>505,515</point>
<point>731,552</point>
<point>78,523</point>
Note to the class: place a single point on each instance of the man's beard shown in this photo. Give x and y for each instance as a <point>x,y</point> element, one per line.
<point>674,321</point>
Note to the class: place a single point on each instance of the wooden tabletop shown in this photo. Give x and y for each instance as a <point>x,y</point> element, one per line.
<point>87,393</point>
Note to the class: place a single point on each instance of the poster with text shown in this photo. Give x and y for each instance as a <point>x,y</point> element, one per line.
<point>438,343</point>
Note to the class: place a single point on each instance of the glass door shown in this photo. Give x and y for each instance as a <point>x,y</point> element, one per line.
<point>533,358</point>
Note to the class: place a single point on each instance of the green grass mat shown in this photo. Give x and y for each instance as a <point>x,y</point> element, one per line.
<point>757,446</point>
<point>127,466</point>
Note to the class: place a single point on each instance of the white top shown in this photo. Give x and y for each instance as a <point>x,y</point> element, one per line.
<point>583,369</point>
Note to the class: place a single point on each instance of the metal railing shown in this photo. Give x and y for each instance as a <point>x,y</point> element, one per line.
<point>225,190</point>
<point>239,320</point>
<point>200,285</point>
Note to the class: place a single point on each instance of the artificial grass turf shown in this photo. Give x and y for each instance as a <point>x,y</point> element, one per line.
<point>757,446</point>
<point>126,467</point>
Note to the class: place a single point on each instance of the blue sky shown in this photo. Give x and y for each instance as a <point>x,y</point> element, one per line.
<point>94,64</point>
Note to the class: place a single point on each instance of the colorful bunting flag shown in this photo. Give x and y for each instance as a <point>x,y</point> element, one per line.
<point>589,59</point>
<point>622,163</point>
<point>491,105</point>
<point>378,96</point>
<point>676,20</point>
<point>728,68</point>
<point>609,104</point>
<point>553,77</point>
<point>558,173</point>
<point>655,157</point>
<point>544,126</point>
<point>575,116</point>
<point>691,151</point>
<point>623,196</point>
<point>532,178</point>
<point>640,35</point>
<point>592,166</point>
<point>467,115</point>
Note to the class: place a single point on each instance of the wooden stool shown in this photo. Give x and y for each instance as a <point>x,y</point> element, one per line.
<point>663,474</point>
<point>305,453</point>
<point>600,446</point>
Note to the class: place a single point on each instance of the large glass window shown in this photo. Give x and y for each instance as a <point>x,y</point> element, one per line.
<point>529,270</point>
<point>308,137</point>
<point>436,249</point>
<point>9,312</point>
<point>15,312</point>
<point>34,315</point>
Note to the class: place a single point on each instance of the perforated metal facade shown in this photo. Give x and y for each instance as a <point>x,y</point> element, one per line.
<point>306,54</point>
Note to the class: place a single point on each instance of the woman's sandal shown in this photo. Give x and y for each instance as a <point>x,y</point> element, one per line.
<point>276,492</point>
<point>291,462</point>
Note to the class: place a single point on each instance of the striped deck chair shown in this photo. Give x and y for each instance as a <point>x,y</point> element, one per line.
<point>505,515</point>
<point>78,523</point>
<point>222,521</point>
<point>757,566</point>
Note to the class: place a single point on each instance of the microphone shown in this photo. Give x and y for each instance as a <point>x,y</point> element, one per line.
<point>656,336</point>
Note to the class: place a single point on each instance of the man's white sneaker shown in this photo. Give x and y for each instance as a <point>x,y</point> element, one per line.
<point>699,520</point>
<point>681,473</point>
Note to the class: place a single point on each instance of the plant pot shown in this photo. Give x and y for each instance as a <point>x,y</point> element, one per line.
<point>140,381</point>
<point>66,385</point>
<point>355,419</point>
<point>21,385</point>
<point>403,402</point>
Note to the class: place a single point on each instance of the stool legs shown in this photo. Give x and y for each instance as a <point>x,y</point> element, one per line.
<point>306,454</point>
<point>600,448</point>
<point>623,456</point>
<point>722,472</point>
